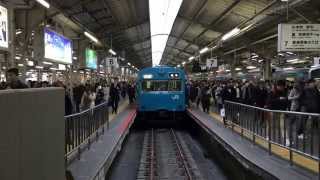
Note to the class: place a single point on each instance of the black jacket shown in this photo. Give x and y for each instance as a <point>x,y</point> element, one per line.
<point>311,100</point>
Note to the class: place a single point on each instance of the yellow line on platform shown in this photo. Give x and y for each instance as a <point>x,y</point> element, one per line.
<point>284,153</point>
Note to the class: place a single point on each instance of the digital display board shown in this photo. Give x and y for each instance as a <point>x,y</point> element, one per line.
<point>91,59</point>
<point>57,47</point>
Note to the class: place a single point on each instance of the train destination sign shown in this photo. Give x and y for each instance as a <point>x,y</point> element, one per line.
<point>298,37</point>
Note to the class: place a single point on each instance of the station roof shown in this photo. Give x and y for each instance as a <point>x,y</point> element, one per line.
<point>199,24</point>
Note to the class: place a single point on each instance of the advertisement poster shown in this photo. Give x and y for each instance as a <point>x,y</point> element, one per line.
<point>57,47</point>
<point>91,59</point>
<point>4,27</point>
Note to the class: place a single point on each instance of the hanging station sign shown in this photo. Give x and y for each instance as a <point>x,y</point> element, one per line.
<point>298,37</point>
<point>112,62</point>
<point>212,63</point>
<point>4,37</point>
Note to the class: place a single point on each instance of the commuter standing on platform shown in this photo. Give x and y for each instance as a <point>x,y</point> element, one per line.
<point>13,80</point>
<point>114,98</point>
<point>85,100</point>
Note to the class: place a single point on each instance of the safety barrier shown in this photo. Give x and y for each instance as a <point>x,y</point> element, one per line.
<point>82,127</point>
<point>298,132</point>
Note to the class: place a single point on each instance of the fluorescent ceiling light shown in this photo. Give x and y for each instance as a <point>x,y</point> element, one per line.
<point>74,71</point>
<point>179,65</point>
<point>228,70</point>
<point>44,3</point>
<point>280,54</point>
<point>246,28</point>
<point>129,64</point>
<point>54,69</point>
<point>19,31</point>
<point>290,53</point>
<point>255,56</point>
<point>230,34</point>
<point>204,50</point>
<point>191,58</point>
<point>48,63</point>
<point>91,37</point>
<point>30,63</point>
<point>292,60</point>
<point>238,69</point>
<point>183,63</point>
<point>299,62</point>
<point>251,67</point>
<point>75,58</point>
<point>20,65</point>
<point>162,16</point>
<point>18,57</point>
<point>288,68</point>
<point>39,67</point>
<point>112,52</point>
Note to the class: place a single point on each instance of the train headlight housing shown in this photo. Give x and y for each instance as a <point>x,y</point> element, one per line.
<point>147,76</point>
<point>174,75</point>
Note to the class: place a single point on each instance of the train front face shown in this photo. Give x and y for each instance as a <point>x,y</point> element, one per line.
<point>161,89</point>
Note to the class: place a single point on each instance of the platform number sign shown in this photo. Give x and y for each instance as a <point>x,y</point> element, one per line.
<point>212,63</point>
<point>111,62</point>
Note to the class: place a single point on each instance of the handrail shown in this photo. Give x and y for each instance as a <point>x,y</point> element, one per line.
<point>87,110</point>
<point>275,111</point>
<point>295,131</point>
<point>81,128</point>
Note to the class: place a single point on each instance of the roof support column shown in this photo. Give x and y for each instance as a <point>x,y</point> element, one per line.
<point>12,36</point>
<point>267,70</point>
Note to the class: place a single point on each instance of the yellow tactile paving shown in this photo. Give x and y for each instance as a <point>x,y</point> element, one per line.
<point>298,159</point>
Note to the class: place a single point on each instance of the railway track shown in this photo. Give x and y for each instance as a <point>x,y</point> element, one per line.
<point>165,155</point>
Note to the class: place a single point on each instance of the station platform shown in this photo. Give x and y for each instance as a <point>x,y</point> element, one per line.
<point>251,156</point>
<point>95,161</point>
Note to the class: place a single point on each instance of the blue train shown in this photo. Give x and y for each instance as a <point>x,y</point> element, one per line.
<point>161,89</point>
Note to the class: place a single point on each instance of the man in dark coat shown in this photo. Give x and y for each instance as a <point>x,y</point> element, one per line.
<point>13,79</point>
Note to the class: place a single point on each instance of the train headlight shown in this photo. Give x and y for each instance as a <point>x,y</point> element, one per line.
<point>174,75</point>
<point>147,76</point>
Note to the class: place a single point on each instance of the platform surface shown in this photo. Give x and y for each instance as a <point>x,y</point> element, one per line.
<point>93,158</point>
<point>252,153</point>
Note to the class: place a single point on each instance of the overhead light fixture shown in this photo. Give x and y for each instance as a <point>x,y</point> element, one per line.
<point>183,63</point>
<point>47,63</point>
<point>18,57</point>
<point>288,68</point>
<point>261,60</point>
<point>39,67</point>
<point>91,37</point>
<point>19,31</point>
<point>228,70</point>
<point>112,52</point>
<point>230,34</point>
<point>251,67</point>
<point>299,62</point>
<point>291,53</point>
<point>20,65</point>
<point>246,28</point>
<point>204,50</point>
<point>162,16</point>
<point>75,58</point>
<point>280,54</point>
<point>255,56</point>
<point>129,64</point>
<point>30,63</point>
<point>74,71</point>
<point>44,3</point>
<point>54,69</point>
<point>191,58</point>
<point>178,65</point>
<point>292,60</point>
<point>238,69</point>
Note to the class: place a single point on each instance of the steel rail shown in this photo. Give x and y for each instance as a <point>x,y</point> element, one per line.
<point>185,165</point>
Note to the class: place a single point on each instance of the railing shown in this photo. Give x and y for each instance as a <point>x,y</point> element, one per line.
<point>297,132</point>
<point>82,127</point>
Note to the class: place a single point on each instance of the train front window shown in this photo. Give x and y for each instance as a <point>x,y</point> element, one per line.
<point>158,85</point>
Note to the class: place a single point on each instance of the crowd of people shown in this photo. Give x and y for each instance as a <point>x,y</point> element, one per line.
<point>279,95</point>
<point>78,97</point>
